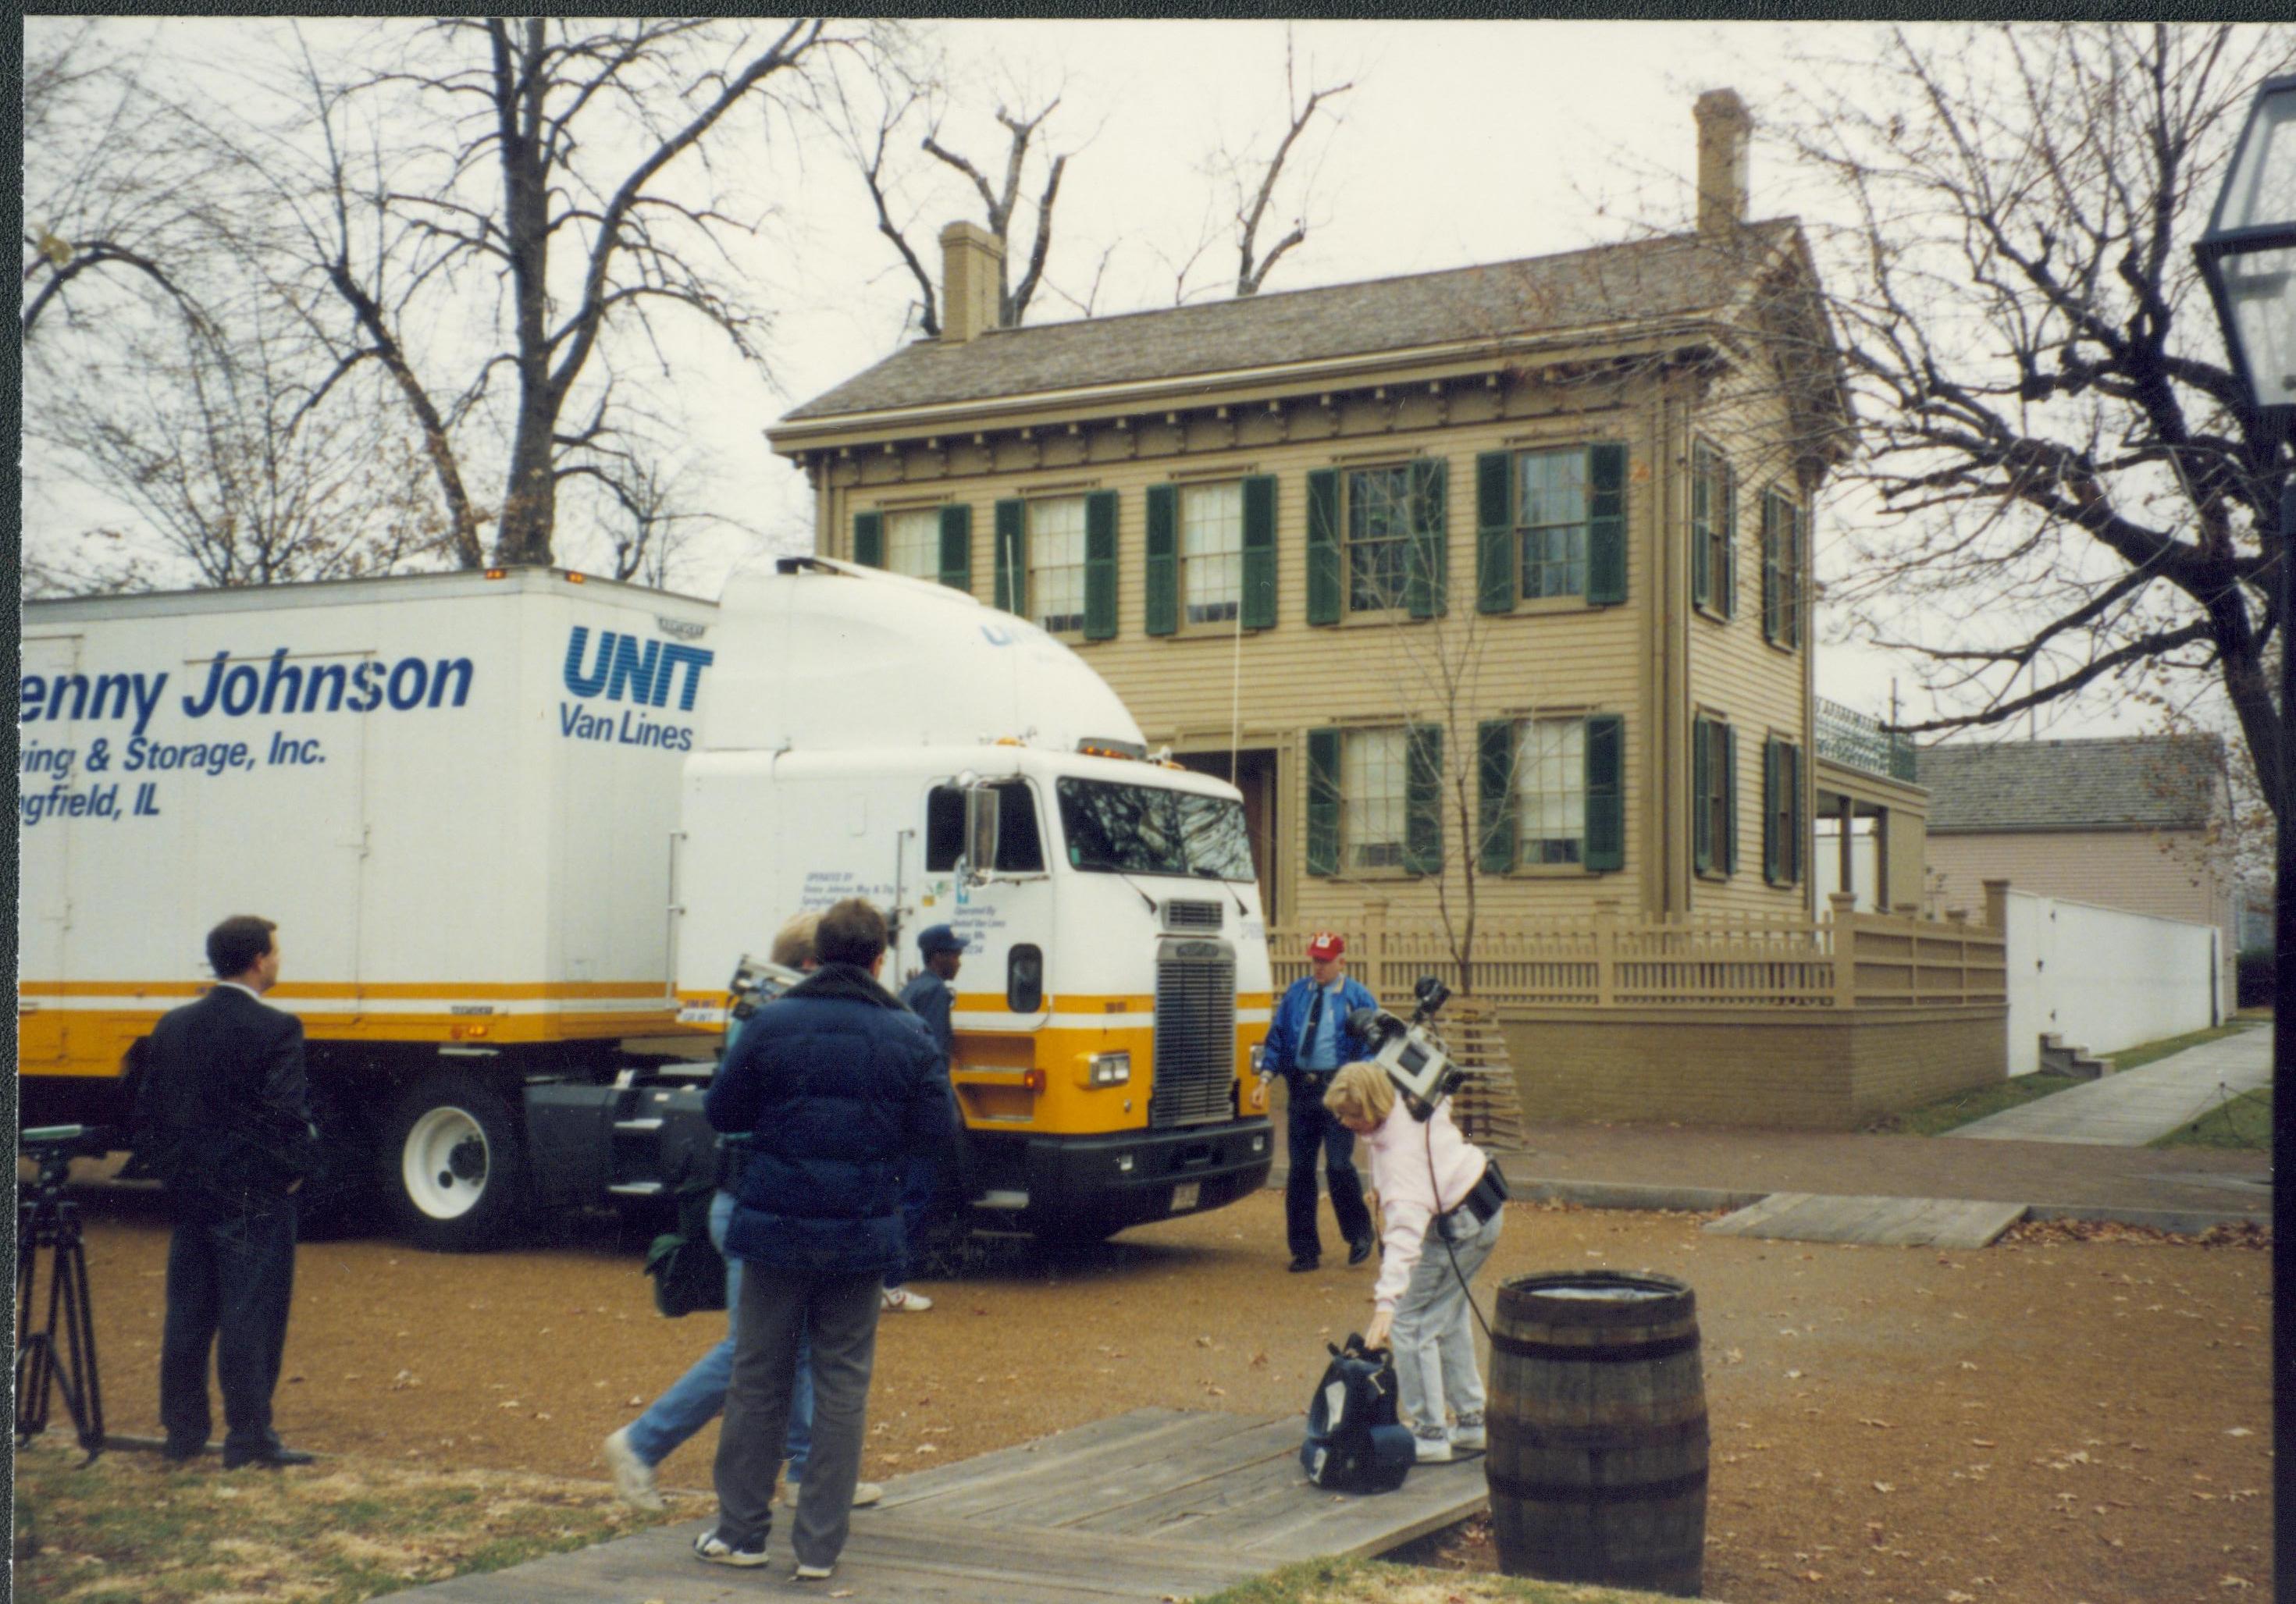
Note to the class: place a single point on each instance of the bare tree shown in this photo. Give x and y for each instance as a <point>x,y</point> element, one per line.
<point>106,204</point>
<point>1254,182</point>
<point>544,184</point>
<point>211,442</point>
<point>2054,440</point>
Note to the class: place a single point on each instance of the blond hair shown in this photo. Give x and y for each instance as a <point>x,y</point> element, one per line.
<point>1361,1092</point>
<point>793,942</point>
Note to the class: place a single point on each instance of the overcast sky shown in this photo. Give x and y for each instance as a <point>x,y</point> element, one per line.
<point>1460,143</point>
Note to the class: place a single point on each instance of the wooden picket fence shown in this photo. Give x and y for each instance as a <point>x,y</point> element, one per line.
<point>1846,960</point>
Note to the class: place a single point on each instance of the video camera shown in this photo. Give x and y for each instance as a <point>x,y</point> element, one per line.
<point>1408,1052</point>
<point>52,1148</point>
<point>756,982</point>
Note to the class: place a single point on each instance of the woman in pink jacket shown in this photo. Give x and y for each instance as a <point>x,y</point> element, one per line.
<point>1441,1201</point>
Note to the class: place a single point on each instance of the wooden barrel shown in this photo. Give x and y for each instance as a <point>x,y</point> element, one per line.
<point>1597,1423</point>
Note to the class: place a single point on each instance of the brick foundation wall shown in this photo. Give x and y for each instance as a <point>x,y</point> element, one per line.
<point>1819,1070</point>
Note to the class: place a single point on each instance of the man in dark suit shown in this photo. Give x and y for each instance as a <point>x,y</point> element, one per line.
<point>222,1117</point>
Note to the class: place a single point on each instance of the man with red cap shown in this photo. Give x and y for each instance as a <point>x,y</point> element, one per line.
<point>1307,1041</point>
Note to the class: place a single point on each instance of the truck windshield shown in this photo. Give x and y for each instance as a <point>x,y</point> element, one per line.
<point>1149,830</point>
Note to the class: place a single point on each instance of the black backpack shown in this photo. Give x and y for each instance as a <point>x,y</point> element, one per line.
<point>688,1272</point>
<point>1355,1443</point>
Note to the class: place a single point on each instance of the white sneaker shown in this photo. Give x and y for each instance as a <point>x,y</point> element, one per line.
<point>812,1572</point>
<point>865,1493</point>
<point>1468,1435</point>
<point>1434,1450</point>
<point>632,1477</point>
<point>900,1300</point>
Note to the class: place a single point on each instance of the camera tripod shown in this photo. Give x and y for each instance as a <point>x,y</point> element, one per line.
<point>60,1354</point>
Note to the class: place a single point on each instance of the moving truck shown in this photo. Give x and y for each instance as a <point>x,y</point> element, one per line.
<point>459,795</point>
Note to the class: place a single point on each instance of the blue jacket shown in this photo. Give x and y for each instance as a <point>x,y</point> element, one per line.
<point>841,1087</point>
<point>1292,1018</point>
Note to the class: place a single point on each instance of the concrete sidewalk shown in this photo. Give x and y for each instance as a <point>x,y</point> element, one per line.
<point>1708,1169</point>
<point>2131,1109</point>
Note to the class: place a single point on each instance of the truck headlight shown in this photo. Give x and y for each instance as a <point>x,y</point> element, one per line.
<point>1109,1069</point>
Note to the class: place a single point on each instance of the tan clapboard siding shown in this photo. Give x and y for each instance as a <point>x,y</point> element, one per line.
<point>1550,657</point>
<point>1734,672</point>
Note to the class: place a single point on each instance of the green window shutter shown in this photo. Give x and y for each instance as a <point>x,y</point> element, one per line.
<point>1495,580</point>
<point>1797,531</point>
<point>1259,552</point>
<point>1423,826</point>
<point>1702,526</point>
<point>1013,556</point>
<point>1606,525</point>
<point>869,539</point>
<point>1791,769</point>
<point>1323,801</point>
<point>1495,812</point>
<point>1424,583</point>
<point>1161,568</point>
<point>1701,795</point>
<point>1726,514</point>
<point>956,547</point>
<point>1606,792</point>
<point>1773,854</point>
<point>1725,853</point>
<point>1323,593</point>
<point>1770,595</point>
<point>1100,565</point>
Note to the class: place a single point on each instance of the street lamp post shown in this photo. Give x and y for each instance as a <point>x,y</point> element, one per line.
<point>2248,257</point>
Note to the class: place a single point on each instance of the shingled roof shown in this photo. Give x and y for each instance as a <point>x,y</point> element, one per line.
<point>1677,276</point>
<point>2135,782</point>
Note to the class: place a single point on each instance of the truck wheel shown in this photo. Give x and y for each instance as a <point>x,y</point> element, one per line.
<point>452,1167</point>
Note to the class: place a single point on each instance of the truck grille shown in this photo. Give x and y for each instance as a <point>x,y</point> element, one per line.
<point>1195,1034</point>
<point>1193,915</point>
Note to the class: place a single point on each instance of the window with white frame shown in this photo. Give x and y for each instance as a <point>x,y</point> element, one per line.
<point>1374,797</point>
<point>1550,791</point>
<point>913,543</point>
<point>1211,552</point>
<point>1551,514</point>
<point>1380,524</point>
<point>1056,552</point>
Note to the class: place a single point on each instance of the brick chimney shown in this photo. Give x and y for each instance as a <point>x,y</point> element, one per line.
<point>1725,128</point>
<point>972,281</point>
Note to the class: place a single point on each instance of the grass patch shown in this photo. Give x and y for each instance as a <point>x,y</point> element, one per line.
<point>2242,1124</point>
<point>2152,1052</point>
<point>1959,1108</point>
<point>132,1527</point>
<point>1964,1107</point>
<point>1372,1581</point>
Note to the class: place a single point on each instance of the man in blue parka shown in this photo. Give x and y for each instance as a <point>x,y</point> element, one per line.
<point>1307,1041</point>
<point>839,1087</point>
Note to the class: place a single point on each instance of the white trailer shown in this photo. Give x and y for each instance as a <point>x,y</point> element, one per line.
<point>460,797</point>
<point>454,793</point>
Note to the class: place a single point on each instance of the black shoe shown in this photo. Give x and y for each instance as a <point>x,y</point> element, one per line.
<point>269,1458</point>
<point>174,1455</point>
<point>1359,1250</point>
<point>1303,1263</point>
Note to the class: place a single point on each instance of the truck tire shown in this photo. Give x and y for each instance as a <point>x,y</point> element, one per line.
<point>452,1166</point>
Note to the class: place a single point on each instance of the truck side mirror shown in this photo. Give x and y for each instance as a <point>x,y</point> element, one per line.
<point>984,806</point>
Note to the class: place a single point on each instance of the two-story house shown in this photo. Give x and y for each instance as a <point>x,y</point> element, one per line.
<point>1503,569</point>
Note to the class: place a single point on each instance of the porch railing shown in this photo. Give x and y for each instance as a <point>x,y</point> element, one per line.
<point>1846,960</point>
<point>1850,738</point>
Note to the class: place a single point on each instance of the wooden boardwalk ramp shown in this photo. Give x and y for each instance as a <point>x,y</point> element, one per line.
<point>1158,1503</point>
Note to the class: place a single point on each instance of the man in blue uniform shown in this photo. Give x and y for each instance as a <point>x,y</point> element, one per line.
<point>1306,1043</point>
<point>932,998</point>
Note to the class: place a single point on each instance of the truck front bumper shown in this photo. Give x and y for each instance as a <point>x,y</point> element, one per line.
<point>1089,1186</point>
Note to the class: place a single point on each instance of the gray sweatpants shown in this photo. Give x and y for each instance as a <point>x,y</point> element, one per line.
<point>777,1305</point>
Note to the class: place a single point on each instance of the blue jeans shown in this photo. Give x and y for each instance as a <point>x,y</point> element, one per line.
<point>695,1398</point>
<point>231,1277</point>
<point>917,1190</point>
